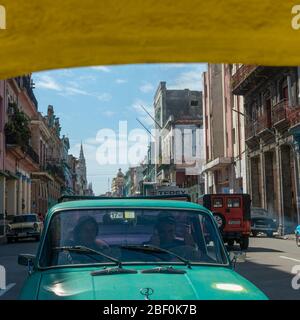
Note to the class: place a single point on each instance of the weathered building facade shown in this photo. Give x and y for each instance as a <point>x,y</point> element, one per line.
<point>225,164</point>
<point>178,119</point>
<point>21,156</point>
<point>118,185</point>
<point>272,116</point>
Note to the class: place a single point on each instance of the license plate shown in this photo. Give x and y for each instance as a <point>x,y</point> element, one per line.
<point>22,234</point>
<point>234,222</point>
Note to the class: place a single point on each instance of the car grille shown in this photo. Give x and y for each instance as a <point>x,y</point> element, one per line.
<point>20,230</point>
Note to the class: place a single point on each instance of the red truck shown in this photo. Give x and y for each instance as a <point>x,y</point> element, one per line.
<point>232,214</point>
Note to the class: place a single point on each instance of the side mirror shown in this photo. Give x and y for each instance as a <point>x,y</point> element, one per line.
<point>27,260</point>
<point>237,256</point>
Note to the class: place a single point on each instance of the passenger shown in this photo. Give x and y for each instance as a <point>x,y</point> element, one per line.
<point>165,234</point>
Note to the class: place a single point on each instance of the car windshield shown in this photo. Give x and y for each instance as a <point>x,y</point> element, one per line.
<point>25,218</point>
<point>127,235</point>
<point>259,212</point>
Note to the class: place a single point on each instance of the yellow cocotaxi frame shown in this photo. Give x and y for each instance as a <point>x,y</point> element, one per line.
<point>53,34</point>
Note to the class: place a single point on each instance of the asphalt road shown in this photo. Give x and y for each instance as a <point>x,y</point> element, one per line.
<point>15,274</point>
<point>268,265</point>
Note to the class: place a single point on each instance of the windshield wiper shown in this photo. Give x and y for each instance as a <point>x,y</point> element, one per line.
<point>86,250</point>
<point>168,270</point>
<point>107,271</point>
<point>149,249</point>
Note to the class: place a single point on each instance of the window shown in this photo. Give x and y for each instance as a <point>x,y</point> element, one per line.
<point>218,203</point>
<point>194,140</point>
<point>233,203</point>
<point>194,103</point>
<point>233,135</point>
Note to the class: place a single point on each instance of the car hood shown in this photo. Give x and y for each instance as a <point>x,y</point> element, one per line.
<point>200,282</point>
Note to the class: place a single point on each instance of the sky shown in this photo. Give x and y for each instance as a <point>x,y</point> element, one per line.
<point>88,100</point>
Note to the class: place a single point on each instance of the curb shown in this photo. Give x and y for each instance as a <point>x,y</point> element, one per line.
<point>287,237</point>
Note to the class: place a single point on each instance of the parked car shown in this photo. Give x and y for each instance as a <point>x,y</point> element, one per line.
<point>232,214</point>
<point>297,233</point>
<point>132,249</point>
<point>24,226</point>
<point>262,222</point>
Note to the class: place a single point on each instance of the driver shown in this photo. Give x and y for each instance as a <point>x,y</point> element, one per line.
<point>85,234</point>
<point>164,235</point>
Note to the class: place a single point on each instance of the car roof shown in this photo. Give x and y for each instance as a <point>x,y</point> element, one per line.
<point>130,203</point>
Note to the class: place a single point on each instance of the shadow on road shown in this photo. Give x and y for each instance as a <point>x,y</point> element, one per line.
<point>253,249</point>
<point>260,249</point>
<point>276,284</point>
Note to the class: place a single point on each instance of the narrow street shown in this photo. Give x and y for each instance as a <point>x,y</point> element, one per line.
<point>268,265</point>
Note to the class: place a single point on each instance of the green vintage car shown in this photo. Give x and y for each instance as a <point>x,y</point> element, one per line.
<point>132,249</point>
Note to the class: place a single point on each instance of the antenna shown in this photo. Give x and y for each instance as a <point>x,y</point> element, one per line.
<point>150,116</point>
<point>144,127</point>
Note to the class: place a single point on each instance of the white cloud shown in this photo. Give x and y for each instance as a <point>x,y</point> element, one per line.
<point>87,77</point>
<point>188,80</point>
<point>75,91</point>
<point>47,82</point>
<point>101,68</point>
<point>166,66</point>
<point>91,141</point>
<point>104,97</point>
<point>68,88</point>
<point>108,113</point>
<point>121,81</point>
<point>147,87</point>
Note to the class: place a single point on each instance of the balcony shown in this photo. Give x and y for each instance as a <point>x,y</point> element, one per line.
<point>31,153</point>
<point>239,78</point>
<point>25,83</point>
<point>250,134</point>
<point>264,127</point>
<point>12,142</point>
<point>248,77</point>
<point>279,115</point>
<point>56,171</point>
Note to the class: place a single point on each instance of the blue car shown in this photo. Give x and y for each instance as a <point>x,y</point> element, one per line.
<point>297,232</point>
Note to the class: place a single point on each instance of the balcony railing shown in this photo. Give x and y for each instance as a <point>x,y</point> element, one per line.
<point>263,123</point>
<point>32,154</point>
<point>56,170</point>
<point>250,130</point>
<point>241,74</point>
<point>279,111</point>
<point>27,149</point>
<point>25,83</point>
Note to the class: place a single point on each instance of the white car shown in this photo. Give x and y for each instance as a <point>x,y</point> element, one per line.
<point>24,226</point>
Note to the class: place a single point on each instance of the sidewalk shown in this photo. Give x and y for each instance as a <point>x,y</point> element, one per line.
<point>287,237</point>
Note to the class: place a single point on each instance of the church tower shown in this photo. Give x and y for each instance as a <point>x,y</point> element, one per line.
<point>81,173</point>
